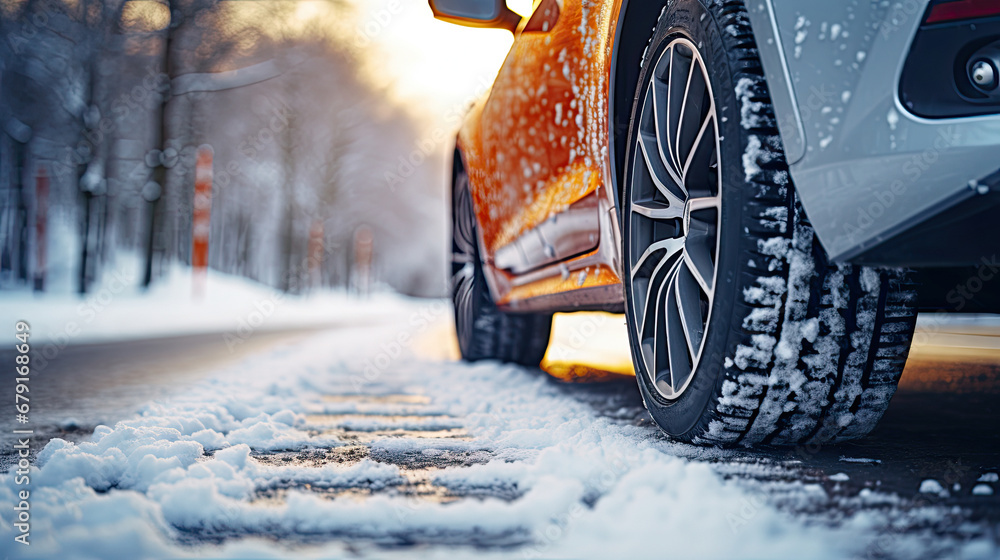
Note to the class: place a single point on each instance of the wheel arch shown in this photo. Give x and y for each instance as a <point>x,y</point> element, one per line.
<point>635,18</point>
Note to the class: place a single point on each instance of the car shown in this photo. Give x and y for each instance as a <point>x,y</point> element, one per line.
<point>769,190</point>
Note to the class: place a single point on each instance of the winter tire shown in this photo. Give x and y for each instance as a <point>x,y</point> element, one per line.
<point>485,332</point>
<point>742,331</point>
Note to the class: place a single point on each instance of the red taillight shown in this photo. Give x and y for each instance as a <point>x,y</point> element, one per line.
<point>954,10</point>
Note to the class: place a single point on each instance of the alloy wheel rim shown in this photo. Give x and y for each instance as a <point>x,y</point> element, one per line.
<point>675,212</point>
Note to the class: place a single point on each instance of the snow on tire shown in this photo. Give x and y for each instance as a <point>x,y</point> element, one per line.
<point>824,357</point>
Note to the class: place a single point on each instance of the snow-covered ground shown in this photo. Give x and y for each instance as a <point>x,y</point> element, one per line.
<point>178,304</point>
<point>364,441</point>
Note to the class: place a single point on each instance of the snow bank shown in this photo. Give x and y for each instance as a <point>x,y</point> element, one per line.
<point>118,309</point>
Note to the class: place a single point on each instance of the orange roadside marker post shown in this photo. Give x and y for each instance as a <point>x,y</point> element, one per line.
<point>202,219</point>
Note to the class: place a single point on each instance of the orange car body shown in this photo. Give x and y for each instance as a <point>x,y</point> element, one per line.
<point>536,150</point>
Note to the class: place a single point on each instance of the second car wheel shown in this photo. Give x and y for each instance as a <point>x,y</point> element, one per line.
<point>484,331</point>
<point>741,330</point>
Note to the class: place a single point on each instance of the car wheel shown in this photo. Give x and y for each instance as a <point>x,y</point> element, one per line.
<point>485,332</point>
<point>742,331</point>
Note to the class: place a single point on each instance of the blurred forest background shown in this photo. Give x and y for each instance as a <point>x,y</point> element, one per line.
<point>104,103</point>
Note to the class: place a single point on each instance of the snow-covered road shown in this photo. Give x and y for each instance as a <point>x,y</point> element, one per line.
<point>372,441</point>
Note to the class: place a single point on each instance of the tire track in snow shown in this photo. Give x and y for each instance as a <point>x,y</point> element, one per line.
<point>288,448</point>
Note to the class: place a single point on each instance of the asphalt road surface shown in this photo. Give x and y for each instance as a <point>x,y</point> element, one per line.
<point>943,426</point>
<point>90,384</point>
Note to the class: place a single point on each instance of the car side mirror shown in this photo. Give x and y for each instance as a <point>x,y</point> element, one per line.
<point>476,13</point>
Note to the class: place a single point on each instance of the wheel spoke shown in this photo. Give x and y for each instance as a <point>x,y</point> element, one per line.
<point>661,131</point>
<point>465,272</point>
<point>658,172</point>
<point>677,347</point>
<point>683,114</point>
<point>462,288</point>
<point>681,68</point>
<point>704,203</point>
<point>660,368</point>
<point>660,86</point>
<point>463,244</point>
<point>657,210</point>
<point>689,304</point>
<point>698,255</point>
<point>464,234</point>
<point>649,305</point>
<point>671,246</point>
<point>702,146</point>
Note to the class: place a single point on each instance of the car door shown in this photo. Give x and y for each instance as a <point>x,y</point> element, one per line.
<point>539,197</point>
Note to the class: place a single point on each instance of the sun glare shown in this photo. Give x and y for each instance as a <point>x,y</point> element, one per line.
<point>305,11</point>
<point>522,7</point>
<point>145,16</point>
<point>588,347</point>
<point>435,67</point>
